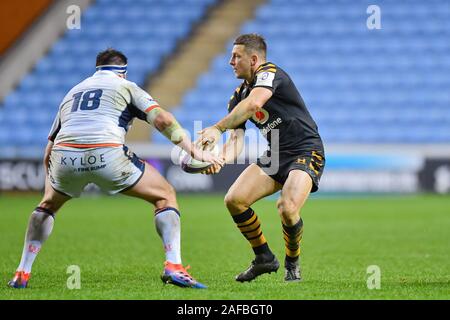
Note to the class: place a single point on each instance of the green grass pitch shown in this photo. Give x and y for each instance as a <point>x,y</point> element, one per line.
<point>114,242</point>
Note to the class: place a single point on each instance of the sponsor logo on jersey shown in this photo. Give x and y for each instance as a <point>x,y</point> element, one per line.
<point>261,116</point>
<point>272,125</point>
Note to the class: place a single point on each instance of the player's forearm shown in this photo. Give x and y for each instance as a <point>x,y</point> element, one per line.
<point>166,123</point>
<point>242,112</point>
<point>233,148</point>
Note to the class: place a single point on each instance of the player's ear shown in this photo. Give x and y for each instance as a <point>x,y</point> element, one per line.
<point>253,60</point>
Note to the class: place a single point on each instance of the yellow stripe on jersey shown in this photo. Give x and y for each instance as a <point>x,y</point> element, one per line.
<point>263,66</point>
<point>229,102</point>
<point>231,98</point>
<point>268,70</point>
<point>267,67</point>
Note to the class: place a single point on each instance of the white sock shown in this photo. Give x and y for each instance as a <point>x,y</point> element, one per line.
<point>167,221</point>
<point>40,226</point>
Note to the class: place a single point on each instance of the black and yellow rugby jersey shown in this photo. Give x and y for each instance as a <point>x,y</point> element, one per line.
<point>284,111</point>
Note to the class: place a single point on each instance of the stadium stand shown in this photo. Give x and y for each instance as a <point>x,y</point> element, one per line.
<point>362,86</point>
<point>146,30</point>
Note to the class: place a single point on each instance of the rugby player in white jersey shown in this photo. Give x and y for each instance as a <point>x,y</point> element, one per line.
<point>86,145</point>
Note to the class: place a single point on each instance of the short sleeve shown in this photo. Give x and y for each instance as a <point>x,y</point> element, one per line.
<point>141,102</point>
<point>268,77</point>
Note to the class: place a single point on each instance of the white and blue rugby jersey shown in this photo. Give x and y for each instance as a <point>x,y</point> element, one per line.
<point>99,111</point>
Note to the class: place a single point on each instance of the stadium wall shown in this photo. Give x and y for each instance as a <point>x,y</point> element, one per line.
<point>16,17</point>
<point>35,42</point>
<point>403,169</point>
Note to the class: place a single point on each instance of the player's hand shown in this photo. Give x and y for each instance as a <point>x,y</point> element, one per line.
<point>213,169</point>
<point>210,135</point>
<point>206,156</point>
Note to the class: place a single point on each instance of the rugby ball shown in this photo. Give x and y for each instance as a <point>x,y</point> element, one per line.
<point>191,165</point>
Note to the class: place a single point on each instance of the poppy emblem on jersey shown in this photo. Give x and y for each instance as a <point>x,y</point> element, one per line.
<point>261,116</point>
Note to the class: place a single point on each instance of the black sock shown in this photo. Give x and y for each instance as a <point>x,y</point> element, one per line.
<point>292,238</point>
<point>249,225</point>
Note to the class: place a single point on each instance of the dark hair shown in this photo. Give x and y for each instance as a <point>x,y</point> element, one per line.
<point>252,42</point>
<point>111,56</point>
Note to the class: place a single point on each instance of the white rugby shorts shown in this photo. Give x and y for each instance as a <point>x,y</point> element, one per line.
<point>112,169</point>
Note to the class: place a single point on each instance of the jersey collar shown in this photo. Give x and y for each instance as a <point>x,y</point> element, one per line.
<point>262,66</point>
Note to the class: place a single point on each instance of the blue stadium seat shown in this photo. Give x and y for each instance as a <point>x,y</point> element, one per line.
<point>145,30</point>
<point>391,84</point>
<point>362,86</point>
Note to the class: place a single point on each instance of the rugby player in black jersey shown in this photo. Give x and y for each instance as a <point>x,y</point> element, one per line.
<point>293,163</point>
